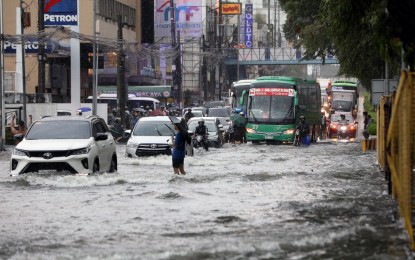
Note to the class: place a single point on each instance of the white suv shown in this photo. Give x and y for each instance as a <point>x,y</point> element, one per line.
<point>74,144</point>
<point>153,136</point>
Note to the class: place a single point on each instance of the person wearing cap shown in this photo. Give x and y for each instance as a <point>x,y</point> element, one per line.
<point>303,127</point>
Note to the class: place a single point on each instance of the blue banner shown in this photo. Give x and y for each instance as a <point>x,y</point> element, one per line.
<point>61,12</point>
<point>249,19</point>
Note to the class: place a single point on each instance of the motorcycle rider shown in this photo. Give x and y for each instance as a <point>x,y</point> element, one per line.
<point>343,120</point>
<point>202,130</point>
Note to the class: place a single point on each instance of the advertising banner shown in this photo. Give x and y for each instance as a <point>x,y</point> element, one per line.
<point>249,20</point>
<point>231,8</point>
<point>61,12</point>
<point>188,18</point>
<point>272,92</point>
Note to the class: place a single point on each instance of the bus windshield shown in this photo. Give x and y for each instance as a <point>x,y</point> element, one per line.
<point>271,105</point>
<point>237,89</point>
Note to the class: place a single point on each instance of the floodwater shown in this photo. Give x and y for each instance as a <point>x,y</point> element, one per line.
<point>326,201</point>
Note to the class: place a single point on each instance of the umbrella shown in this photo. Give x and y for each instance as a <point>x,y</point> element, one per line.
<point>139,109</point>
<point>156,113</point>
<point>238,120</point>
<point>84,109</point>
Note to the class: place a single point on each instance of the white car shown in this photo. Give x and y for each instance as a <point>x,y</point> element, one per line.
<point>153,136</point>
<point>72,144</point>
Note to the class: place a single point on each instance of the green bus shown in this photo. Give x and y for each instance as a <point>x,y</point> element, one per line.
<point>275,105</point>
<point>238,100</point>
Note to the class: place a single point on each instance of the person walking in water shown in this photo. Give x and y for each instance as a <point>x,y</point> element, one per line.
<point>178,152</point>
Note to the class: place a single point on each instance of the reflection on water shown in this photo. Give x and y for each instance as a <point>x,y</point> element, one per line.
<point>236,202</point>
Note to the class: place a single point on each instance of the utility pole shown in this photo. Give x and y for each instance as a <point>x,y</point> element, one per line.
<point>179,71</point>
<point>220,49</point>
<point>23,61</point>
<point>3,109</point>
<point>94,61</point>
<point>121,88</point>
<point>41,50</point>
<point>204,71</point>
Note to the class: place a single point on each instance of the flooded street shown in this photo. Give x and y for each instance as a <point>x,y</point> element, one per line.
<point>326,201</point>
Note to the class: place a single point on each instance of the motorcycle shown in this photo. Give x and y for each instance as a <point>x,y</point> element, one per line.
<point>200,141</point>
<point>297,137</point>
<point>343,132</point>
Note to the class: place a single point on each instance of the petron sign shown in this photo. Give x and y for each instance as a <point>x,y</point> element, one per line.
<point>231,8</point>
<point>249,19</point>
<point>61,12</point>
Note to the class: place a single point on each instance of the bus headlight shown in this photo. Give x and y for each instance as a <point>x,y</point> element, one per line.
<point>288,132</point>
<point>250,131</point>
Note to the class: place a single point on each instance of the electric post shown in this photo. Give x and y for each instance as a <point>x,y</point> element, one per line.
<point>121,88</point>
<point>220,49</point>
<point>41,50</point>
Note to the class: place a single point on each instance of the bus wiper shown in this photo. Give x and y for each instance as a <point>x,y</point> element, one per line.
<point>291,109</point>
<point>256,120</point>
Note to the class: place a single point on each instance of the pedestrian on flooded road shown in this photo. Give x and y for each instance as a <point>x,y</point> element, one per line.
<point>178,152</point>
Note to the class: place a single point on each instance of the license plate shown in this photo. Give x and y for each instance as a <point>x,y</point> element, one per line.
<point>269,137</point>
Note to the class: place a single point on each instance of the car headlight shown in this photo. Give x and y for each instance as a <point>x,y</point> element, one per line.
<point>19,152</point>
<point>131,144</point>
<point>250,131</point>
<point>80,151</point>
<point>288,132</point>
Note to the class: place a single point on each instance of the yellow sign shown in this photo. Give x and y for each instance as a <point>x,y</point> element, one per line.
<point>231,8</point>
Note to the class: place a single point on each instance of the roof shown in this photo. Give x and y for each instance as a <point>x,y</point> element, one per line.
<point>68,118</point>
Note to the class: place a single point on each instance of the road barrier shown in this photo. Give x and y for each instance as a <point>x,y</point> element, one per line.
<point>396,133</point>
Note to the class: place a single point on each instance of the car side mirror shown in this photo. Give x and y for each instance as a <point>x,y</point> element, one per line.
<point>101,137</point>
<point>126,134</point>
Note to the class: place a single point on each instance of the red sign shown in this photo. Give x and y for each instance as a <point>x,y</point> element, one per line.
<point>231,8</point>
<point>271,92</point>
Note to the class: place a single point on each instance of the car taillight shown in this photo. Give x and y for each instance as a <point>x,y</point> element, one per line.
<point>333,126</point>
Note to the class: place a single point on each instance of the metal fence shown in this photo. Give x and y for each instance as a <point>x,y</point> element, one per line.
<point>396,133</point>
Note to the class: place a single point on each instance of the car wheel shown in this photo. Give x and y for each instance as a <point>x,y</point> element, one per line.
<point>95,166</point>
<point>113,166</point>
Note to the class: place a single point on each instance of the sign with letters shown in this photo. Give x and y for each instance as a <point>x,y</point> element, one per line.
<point>61,12</point>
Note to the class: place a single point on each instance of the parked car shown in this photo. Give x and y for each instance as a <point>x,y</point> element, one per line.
<point>227,128</point>
<point>333,125</point>
<point>72,144</point>
<point>151,136</point>
<point>220,112</point>
<point>215,129</point>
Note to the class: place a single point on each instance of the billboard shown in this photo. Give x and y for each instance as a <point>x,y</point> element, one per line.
<point>188,18</point>
<point>231,8</point>
<point>61,12</point>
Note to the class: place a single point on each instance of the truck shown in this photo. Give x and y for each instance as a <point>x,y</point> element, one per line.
<point>343,101</point>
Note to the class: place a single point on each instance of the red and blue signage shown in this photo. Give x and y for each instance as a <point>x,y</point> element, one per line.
<point>61,12</point>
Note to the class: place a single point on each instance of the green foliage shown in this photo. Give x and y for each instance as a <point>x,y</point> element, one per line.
<point>371,129</point>
<point>358,32</point>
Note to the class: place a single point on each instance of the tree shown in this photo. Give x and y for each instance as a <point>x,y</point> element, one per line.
<point>358,32</point>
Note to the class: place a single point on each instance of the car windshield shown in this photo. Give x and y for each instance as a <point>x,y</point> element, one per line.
<point>218,112</point>
<point>210,125</point>
<point>342,104</point>
<point>60,129</point>
<point>336,118</point>
<point>154,128</point>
